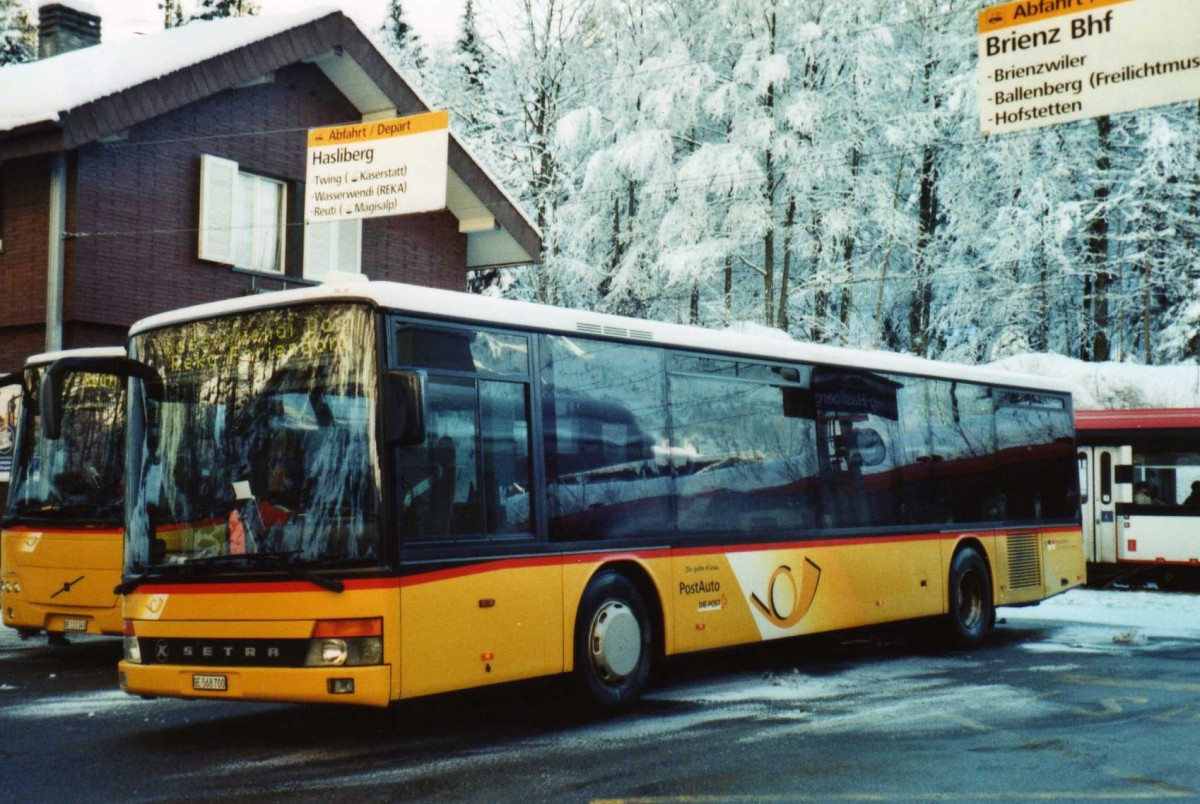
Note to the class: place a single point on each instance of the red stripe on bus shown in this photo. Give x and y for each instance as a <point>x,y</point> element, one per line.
<point>273,587</point>
<point>1145,419</point>
<point>259,587</point>
<point>75,529</point>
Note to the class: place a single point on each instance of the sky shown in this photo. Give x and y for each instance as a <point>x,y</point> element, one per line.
<point>436,21</point>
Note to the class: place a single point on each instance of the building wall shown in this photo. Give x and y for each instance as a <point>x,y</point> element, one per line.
<point>24,222</point>
<point>134,211</point>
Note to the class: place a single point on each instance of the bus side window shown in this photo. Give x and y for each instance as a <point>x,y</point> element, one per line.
<point>1106,478</point>
<point>1083,477</point>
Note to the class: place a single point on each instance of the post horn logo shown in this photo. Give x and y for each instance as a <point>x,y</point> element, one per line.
<point>801,597</point>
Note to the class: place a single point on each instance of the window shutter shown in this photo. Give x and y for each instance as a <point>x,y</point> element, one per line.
<point>218,178</point>
<point>332,246</point>
<point>317,249</point>
<point>349,246</point>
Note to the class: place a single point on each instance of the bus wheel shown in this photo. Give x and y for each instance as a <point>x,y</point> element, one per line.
<point>971,609</point>
<point>612,642</point>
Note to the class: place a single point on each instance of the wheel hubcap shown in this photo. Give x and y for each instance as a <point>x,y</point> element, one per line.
<point>615,642</point>
<point>970,600</point>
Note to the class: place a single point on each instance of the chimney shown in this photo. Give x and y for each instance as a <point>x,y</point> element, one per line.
<point>62,28</point>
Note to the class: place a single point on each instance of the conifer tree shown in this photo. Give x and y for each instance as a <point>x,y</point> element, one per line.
<point>220,9</point>
<point>470,49</point>
<point>172,13</point>
<point>408,51</point>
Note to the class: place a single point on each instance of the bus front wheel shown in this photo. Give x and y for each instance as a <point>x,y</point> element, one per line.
<point>613,642</point>
<point>971,610</point>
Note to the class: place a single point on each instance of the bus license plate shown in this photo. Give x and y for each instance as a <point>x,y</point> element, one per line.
<point>74,624</point>
<point>209,682</point>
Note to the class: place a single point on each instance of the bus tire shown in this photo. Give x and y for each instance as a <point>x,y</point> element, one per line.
<point>613,642</point>
<point>971,611</point>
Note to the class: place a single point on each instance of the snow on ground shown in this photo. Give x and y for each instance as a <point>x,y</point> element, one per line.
<point>1112,621</point>
<point>891,694</point>
<point>1153,614</point>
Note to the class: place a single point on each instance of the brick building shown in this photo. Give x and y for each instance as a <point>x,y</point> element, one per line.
<point>103,157</point>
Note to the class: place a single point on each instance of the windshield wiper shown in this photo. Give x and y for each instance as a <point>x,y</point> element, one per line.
<point>88,512</point>
<point>134,581</point>
<point>273,560</point>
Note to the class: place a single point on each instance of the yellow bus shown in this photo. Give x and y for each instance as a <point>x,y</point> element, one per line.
<point>60,537</point>
<point>371,492</point>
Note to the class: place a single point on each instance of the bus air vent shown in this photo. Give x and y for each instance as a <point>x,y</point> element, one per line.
<point>590,329</point>
<point>641,334</point>
<point>1024,561</point>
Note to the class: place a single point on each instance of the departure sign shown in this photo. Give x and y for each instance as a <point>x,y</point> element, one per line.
<point>377,168</point>
<point>1043,62</point>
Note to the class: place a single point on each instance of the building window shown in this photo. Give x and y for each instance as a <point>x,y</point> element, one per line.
<point>258,224</point>
<point>242,219</point>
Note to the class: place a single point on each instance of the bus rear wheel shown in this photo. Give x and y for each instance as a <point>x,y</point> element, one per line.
<point>971,612</point>
<point>613,642</point>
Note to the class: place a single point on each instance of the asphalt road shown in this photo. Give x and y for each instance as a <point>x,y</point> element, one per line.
<point>1046,711</point>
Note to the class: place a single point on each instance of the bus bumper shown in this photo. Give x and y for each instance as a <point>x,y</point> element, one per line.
<point>362,686</point>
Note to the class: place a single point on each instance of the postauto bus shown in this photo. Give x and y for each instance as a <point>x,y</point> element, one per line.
<point>371,492</point>
<point>61,532</point>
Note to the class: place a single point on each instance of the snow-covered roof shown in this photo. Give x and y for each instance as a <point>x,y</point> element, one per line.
<point>41,91</point>
<point>503,312</point>
<point>79,97</point>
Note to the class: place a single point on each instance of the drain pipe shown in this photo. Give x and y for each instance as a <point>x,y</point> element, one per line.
<point>56,262</point>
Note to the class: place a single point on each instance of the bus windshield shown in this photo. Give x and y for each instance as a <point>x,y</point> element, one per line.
<point>77,477</point>
<point>263,445</point>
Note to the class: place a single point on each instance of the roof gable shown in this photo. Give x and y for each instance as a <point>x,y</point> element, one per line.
<point>89,94</point>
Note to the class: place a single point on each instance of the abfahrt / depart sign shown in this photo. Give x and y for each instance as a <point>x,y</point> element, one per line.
<point>377,168</point>
<point>1044,62</point>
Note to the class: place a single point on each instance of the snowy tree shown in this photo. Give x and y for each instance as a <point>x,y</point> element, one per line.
<point>405,46</point>
<point>18,33</point>
<point>172,11</point>
<point>817,166</point>
<point>472,54</point>
<point>220,9</point>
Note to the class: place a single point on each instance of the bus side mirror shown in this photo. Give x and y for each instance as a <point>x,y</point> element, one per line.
<point>404,408</point>
<point>55,377</point>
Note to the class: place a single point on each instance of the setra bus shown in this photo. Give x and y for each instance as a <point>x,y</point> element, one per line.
<point>1154,533</point>
<point>375,491</point>
<point>61,532</point>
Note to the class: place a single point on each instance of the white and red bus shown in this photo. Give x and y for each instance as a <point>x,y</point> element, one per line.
<point>1140,477</point>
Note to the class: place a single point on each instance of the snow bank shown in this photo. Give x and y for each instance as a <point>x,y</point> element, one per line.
<point>1146,614</point>
<point>1100,386</point>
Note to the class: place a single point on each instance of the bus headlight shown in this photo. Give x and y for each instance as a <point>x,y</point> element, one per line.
<point>345,643</point>
<point>133,651</point>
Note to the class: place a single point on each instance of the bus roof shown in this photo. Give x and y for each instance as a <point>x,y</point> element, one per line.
<point>1143,419</point>
<point>489,311</point>
<point>49,357</point>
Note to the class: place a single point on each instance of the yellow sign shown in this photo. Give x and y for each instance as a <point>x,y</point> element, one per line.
<point>377,168</point>
<point>378,129</point>
<point>1023,11</point>
<point>1046,62</point>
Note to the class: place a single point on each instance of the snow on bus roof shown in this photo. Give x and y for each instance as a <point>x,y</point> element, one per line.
<point>97,351</point>
<point>455,305</point>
